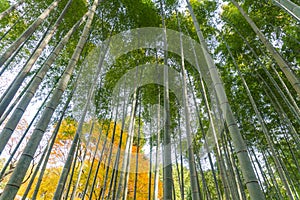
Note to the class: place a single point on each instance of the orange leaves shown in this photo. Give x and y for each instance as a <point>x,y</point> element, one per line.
<point>110,135</point>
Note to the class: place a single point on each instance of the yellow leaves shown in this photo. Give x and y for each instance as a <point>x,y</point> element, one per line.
<point>109,132</point>
<point>47,187</point>
<point>67,129</point>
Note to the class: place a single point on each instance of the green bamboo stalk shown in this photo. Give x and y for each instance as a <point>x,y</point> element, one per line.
<point>124,174</point>
<point>27,33</point>
<point>204,97</point>
<point>82,161</point>
<point>24,135</point>
<point>23,104</point>
<point>240,147</point>
<point>293,79</point>
<point>167,151</point>
<point>16,179</point>
<point>289,7</point>
<point>193,175</point>
<point>263,126</point>
<point>92,165</point>
<point>10,9</point>
<point>114,178</point>
<point>50,145</point>
<point>13,88</point>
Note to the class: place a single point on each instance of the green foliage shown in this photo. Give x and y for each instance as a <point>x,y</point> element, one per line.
<point>4,4</point>
<point>230,28</point>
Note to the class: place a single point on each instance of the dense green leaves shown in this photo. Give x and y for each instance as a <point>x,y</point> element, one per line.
<point>231,42</point>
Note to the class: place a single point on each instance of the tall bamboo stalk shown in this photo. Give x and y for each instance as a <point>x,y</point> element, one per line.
<point>167,149</point>
<point>27,33</point>
<point>51,144</point>
<point>83,158</point>
<point>293,79</point>
<point>240,147</point>
<point>13,88</point>
<point>193,175</point>
<point>289,7</point>
<point>124,174</point>
<point>16,179</point>
<point>23,104</point>
<point>263,126</point>
<point>10,9</point>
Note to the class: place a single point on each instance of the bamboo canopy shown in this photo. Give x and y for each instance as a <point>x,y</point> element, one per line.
<point>152,99</point>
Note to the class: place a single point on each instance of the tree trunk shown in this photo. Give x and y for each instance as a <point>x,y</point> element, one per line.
<point>55,132</point>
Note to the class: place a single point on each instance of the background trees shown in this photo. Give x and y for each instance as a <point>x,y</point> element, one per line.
<point>47,73</point>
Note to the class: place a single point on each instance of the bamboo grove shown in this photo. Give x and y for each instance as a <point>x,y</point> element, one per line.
<point>149,99</point>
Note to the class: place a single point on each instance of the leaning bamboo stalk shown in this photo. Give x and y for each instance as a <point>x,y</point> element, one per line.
<point>240,146</point>
<point>271,172</point>
<point>19,111</point>
<point>263,126</point>
<point>23,137</point>
<point>13,88</point>
<point>124,174</point>
<point>221,165</point>
<point>193,175</point>
<point>232,175</point>
<point>293,105</point>
<point>289,7</point>
<point>293,79</point>
<point>68,189</point>
<point>85,190</point>
<point>64,174</point>
<point>11,28</point>
<point>10,9</point>
<point>16,101</point>
<point>204,97</point>
<point>34,174</point>
<point>26,34</point>
<point>102,195</point>
<point>259,165</point>
<point>16,52</point>
<point>82,161</point>
<point>237,177</point>
<point>113,183</point>
<point>92,165</point>
<point>100,160</point>
<point>16,179</point>
<point>51,144</point>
